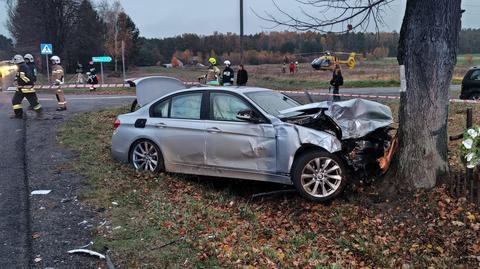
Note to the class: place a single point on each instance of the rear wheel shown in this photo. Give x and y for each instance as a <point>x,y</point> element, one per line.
<point>146,156</point>
<point>319,176</point>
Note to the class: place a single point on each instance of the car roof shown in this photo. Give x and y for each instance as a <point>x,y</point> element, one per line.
<point>236,89</point>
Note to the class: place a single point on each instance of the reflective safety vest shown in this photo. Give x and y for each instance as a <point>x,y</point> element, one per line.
<point>57,74</point>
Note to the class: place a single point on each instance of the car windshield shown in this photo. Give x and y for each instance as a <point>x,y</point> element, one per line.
<point>272,102</point>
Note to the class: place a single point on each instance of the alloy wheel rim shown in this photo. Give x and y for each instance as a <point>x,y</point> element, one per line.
<point>321,177</point>
<point>145,157</point>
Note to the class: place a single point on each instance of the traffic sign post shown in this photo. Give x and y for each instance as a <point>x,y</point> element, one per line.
<point>101,60</point>
<point>46,49</point>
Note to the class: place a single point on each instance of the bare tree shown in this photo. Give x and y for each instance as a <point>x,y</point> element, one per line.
<point>110,14</point>
<point>428,48</point>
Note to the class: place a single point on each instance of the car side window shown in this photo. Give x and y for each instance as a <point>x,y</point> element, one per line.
<point>225,107</point>
<point>186,106</point>
<point>160,110</point>
<point>475,75</point>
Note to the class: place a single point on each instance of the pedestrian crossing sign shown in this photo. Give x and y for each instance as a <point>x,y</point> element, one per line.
<point>46,49</point>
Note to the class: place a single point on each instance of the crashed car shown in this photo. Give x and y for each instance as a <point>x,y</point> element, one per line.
<point>257,134</point>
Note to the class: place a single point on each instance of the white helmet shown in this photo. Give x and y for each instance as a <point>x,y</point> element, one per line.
<point>18,59</point>
<point>227,62</point>
<point>29,58</point>
<point>55,59</point>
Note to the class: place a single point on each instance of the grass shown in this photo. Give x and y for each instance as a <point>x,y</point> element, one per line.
<point>214,224</point>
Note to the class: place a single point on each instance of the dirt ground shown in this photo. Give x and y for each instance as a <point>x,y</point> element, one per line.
<point>175,221</point>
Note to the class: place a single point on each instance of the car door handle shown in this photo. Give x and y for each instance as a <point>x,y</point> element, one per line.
<point>160,125</point>
<point>214,130</point>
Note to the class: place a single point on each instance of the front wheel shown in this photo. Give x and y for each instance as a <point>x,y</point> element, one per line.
<point>475,96</point>
<point>319,176</point>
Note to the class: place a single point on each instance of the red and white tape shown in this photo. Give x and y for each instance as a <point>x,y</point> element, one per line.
<point>369,96</point>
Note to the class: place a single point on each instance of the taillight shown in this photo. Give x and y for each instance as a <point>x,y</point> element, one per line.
<point>116,124</point>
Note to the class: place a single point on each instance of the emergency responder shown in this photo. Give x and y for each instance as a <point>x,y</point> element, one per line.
<point>58,79</point>
<point>25,84</point>
<point>336,82</point>
<point>30,61</point>
<point>92,76</point>
<point>213,73</point>
<point>228,74</point>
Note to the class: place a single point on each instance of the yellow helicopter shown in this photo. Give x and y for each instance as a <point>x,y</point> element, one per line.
<point>328,60</point>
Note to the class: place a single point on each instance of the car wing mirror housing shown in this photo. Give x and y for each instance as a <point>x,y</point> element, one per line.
<point>249,115</point>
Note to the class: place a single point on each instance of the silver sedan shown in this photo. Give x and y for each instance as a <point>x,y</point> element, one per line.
<point>247,133</point>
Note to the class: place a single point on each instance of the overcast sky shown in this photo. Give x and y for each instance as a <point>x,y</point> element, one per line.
<point>165,18</point>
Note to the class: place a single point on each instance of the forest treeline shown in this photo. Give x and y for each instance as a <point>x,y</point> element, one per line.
<point>80,29</point>
<point>264,48</point>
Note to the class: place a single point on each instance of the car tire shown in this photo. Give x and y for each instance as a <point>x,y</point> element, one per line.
<point>319,176</point>
<point>475,96</point>
<point>145,156</point>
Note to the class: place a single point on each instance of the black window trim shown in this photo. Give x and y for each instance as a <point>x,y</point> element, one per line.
<point>209,117</point>
<point>169,99</point>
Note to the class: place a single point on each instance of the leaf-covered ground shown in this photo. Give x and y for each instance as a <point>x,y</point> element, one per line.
<point>173,221</point>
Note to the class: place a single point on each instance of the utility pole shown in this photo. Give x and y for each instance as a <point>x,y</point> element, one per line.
<point>241,32</point>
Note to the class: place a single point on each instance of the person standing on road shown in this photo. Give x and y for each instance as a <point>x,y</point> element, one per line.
<point>58,79</point>
<point>25,88</point>
<point>228,74</point>
<point>92,76</point>
<point>30,61</point>
<point>336,82</point>
<point>242,76</point>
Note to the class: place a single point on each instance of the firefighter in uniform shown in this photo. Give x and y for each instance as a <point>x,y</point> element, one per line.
<point>30,61</point>
<point>58,79</point>
<point>213,74</point>
<point>25,84</point>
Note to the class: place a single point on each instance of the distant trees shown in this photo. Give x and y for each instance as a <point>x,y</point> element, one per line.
<point>6,48</point>
<point>119,28</point>
<point>72,26</point>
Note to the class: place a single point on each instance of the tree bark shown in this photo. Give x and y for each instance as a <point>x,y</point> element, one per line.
<point>428,49</point>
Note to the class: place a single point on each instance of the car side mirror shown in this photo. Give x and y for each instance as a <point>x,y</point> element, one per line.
<point>249,115</point>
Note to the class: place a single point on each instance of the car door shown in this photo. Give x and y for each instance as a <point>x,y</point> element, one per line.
<point>179,130</point>
<point>236,144</point>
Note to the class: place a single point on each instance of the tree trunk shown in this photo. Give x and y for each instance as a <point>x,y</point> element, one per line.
<point>428,49</point>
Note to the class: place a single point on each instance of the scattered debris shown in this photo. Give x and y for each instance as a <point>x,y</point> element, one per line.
<point>102,223</point>
<point>82,222</point>
<point>41,192</point>
<point>272,193</point>
<point>170,243</point>
<point>36,235</point>
<point>65,200</point>
<point>114,203</point>
<point>38,259</point>
<point>116,228</point>
<point>86,251</point>
<point>109,261</point>
<point>87,245</point>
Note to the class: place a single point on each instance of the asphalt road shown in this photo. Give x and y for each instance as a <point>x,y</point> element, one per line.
<point>29,161</point>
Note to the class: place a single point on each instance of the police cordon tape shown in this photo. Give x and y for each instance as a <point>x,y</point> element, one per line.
<point>126,85</point>
<point>369,96</point>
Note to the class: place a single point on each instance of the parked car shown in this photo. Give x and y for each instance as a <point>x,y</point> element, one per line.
<point>257,134</point>
<point>471,84</point>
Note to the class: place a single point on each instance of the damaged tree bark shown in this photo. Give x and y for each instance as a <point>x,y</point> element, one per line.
<point>428,49</point>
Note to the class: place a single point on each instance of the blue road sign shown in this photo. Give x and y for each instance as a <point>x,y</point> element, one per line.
<point>46,49</point>
<point>102,59</point>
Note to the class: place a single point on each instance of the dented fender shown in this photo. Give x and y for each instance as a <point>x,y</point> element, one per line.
<point>290,138</point>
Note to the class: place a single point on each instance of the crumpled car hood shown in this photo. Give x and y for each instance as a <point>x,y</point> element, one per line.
<point>356,117</point>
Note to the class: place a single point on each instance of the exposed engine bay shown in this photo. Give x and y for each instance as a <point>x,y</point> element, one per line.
<point>363,127</point>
